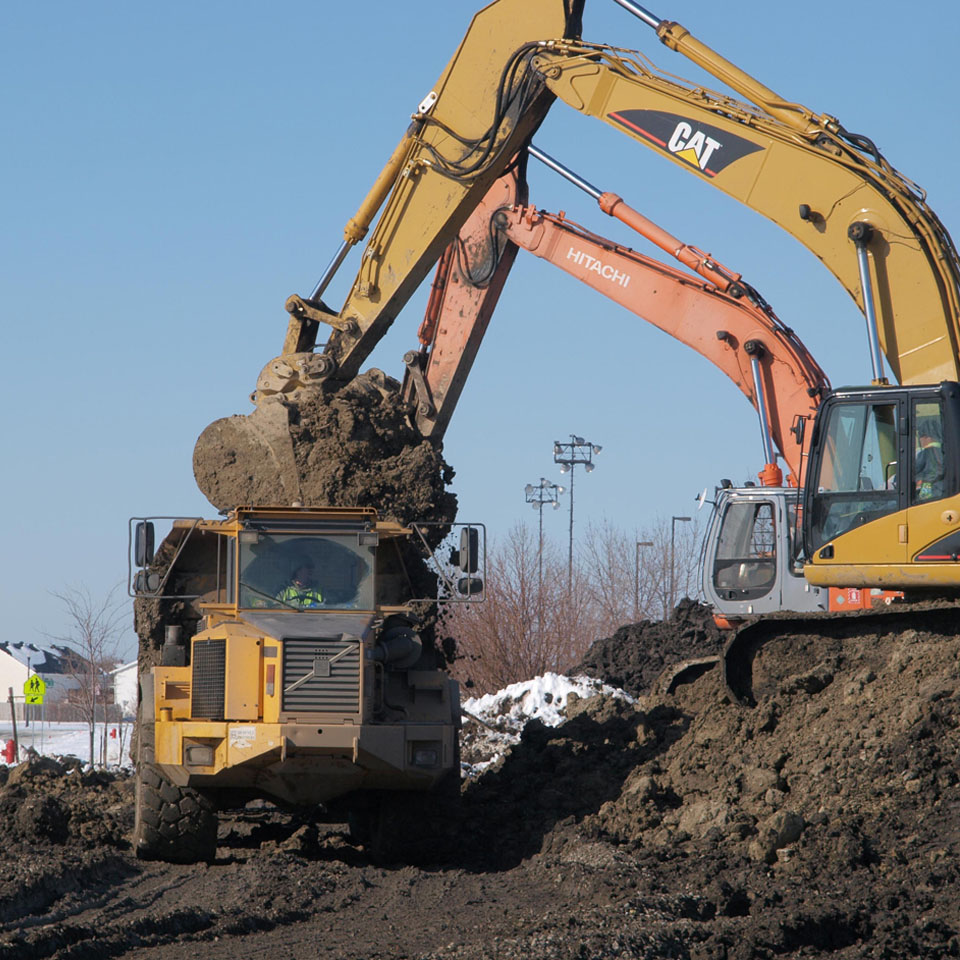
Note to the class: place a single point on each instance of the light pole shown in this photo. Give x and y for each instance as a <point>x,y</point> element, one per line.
<point>673,540</point>
<point>636,579</point>
<point>568,455</point>
<point>538,495</point>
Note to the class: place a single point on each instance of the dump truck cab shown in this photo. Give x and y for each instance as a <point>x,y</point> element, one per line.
<point>306,679</point>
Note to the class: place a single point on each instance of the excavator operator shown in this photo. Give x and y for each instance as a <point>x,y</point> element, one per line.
<point>928,469</point>
<point>302,591</point>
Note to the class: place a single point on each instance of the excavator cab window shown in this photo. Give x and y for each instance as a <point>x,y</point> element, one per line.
<point>795,541</point>
<point>857,472</point>
<point>745,565</point>
<point>929,452</point>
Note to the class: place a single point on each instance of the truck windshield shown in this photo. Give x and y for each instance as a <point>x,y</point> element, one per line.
<point>302,573</point>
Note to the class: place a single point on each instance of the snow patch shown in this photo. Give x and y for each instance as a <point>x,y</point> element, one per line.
<point>495,721</point>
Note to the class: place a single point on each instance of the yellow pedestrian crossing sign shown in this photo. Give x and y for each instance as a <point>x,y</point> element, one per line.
<point>34,689</point>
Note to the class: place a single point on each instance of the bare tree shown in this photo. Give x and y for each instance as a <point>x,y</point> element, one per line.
<point>608,557</point>
<point>94,627</point>
<point>524,629</point>
<point>655,574</point>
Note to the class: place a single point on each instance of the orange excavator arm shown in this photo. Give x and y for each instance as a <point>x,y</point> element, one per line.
<point>717,314</point>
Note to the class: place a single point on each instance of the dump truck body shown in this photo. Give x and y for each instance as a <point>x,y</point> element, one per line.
<point>299,692</point>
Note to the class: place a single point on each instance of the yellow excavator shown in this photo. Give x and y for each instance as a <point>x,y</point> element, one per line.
<point>882,502</point>
<point>882,497</point>
<point>870,518</point>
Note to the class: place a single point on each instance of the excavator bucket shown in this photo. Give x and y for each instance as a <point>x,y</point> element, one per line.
<point>248,459</point>
<point>315,445</point>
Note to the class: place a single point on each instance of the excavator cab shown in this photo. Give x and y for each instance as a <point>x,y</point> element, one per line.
<point>884,487</point>
<point>750,562</point>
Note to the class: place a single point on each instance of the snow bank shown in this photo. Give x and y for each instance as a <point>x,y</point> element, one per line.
<point>499,718</point>
<point>71,740</point>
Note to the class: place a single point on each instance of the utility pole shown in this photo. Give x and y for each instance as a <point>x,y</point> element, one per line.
<point>538,495</point>
<point>673,539</point>
<point>636,579</point>
<point>568,455</point>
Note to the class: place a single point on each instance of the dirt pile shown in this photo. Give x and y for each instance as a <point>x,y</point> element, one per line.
<point>64,829</point>
<point>638,653</point>
<point>47,802</point>
<point>336,445</point>
<point>820,823</point>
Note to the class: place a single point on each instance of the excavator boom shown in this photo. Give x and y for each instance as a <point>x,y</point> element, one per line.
<point>831,190</point>
<point>734,328</point>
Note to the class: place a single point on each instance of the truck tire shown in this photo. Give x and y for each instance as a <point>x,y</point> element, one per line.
<point>171,823</point>
<point>414,827</point>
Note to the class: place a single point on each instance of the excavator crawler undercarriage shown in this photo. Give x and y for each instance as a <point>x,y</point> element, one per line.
<point>782,653</point>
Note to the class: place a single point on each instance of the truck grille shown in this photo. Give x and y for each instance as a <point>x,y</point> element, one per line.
<point>321,675</point>
<point>209,675</point>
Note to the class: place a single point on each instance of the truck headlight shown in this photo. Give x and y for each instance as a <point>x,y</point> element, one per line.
<point>426,754</point>
<point>198,755</point>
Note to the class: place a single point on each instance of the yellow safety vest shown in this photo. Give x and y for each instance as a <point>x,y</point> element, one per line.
<point>304,599</point>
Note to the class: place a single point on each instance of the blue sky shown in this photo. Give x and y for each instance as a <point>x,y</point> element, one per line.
<point>173,172</point>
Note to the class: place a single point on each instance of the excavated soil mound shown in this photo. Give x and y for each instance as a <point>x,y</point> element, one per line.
<point>638,653</point>
<point>338,445</point>
<point>47,802</point>
<point>823,823</point>
<point>65,829</point>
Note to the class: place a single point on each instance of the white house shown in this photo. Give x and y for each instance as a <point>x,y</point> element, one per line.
<point>51,663</point>
<point>125,688</point>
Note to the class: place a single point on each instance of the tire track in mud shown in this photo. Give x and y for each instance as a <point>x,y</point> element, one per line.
<point>140,906</point>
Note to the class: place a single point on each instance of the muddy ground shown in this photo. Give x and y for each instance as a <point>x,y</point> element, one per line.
<point>824,822</point>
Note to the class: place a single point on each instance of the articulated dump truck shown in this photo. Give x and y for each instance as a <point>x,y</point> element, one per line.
<point>291,669</point>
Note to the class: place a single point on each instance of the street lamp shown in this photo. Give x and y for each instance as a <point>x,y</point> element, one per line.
<point>673,538</point>
<point>538,495</point>
<point>636,579</point>
<point>568,455</point>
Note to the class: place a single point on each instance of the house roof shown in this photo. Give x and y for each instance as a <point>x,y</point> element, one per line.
<point>50,659</point>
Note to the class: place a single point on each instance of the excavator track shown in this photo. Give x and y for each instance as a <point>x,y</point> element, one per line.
<point>784,653</point>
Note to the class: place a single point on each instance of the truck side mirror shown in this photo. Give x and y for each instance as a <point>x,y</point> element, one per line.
<point>469,586</point>
<point>145,582</point>
<point>468,558</point>
<point>143,543</point>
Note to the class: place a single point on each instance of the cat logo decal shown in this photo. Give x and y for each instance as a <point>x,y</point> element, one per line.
<point>709,149</point>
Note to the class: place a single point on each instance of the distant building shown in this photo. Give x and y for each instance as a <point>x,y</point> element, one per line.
<point>125,689</point>
<point>53,663</point>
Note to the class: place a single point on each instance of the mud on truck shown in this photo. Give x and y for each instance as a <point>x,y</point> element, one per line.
<point>292,670</point>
